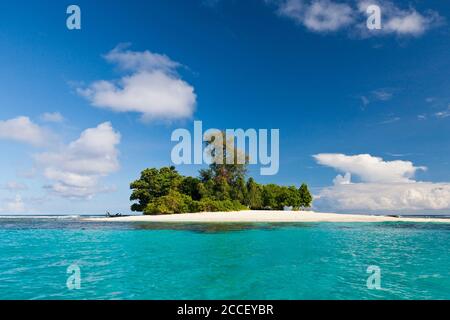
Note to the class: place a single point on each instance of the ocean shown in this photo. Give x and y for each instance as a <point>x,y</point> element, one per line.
<point>38,257</point>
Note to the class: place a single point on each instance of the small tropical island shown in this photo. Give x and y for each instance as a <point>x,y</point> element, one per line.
<point>222,194</point>
<point>220,188</point>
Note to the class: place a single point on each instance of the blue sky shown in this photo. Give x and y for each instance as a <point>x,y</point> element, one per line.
<point>370,104</point>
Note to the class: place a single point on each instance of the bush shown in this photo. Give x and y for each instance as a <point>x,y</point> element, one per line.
<point>174,202</point>
<point>210,205</point>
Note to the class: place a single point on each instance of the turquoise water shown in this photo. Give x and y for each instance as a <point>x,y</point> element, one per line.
<point>223,261</point>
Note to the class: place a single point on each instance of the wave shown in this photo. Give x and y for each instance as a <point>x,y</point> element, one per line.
<point>39,216</point>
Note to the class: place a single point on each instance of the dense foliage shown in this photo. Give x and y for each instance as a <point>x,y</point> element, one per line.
<point>221,187</point>
<point>165,191</point>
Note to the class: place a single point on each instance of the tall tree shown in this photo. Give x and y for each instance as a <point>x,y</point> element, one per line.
<point>254,198</point>
<point>239,191</point>
<point>270,196</point>
<point>305,196</point>
<point>231,170</point>
<point>222,189</point>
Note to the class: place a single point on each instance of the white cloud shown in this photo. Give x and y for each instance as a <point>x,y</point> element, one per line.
<point>382,94</point>
<point>331,16</point>
<point>140,61</point>
<point>369,168</point>
<point>343,179</point>
<point>22,129</point>
<point>412,23</point>
<point>293,9</point>
<point>318,16</point>
<point>55,117</point>
<point>365,101</point>
<point>324,15</point>
<point>382,197</point>
<point>443,114</point>
<point>15,205</point>
<point>15,186</point>
<point>75,169</point>
<point>402,22</point>
<point>390,120</point>
<point>153,88</point>
<point>386,186</point>
<point>422,117</point>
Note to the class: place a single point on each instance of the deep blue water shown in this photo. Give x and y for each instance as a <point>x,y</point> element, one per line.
<point>223,261</point>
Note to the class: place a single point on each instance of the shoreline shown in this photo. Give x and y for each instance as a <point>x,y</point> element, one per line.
<point>255,216</point>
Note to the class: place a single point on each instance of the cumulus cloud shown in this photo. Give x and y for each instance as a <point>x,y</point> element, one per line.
<point>385,186</point>
<point>327,16</point>
<point>54,117</point>
<point>369,168</point>
<point>75,169</point>
<point>15,205</point>
<point>22,129</point>
<point>343,179</point>
<point>318,16</point>
<point>382,197</point>
<point>152,87</point>
<point>402,22</point>
<point>410,23</point>
<point>331,16</point>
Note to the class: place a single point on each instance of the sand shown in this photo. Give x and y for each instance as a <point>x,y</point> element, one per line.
<point>265,216</point>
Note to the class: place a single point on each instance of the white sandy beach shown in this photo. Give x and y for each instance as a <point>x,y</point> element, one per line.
<point>264,216</point>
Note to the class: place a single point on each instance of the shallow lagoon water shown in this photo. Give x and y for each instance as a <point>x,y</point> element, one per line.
<point>223,261</point>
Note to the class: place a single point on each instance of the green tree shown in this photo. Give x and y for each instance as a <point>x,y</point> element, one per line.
<point>153,184</point>
<point>270,195</point>
<point>305,196</point>
<point>228,169</point>
<point>239,191</point>
<point>222,189</point>
<point>289,197</point>
<point>206,175</point>
<point>254,195</point>
<point>192,187</point>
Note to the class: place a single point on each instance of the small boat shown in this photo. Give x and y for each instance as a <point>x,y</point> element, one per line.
<point>109,215</point>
